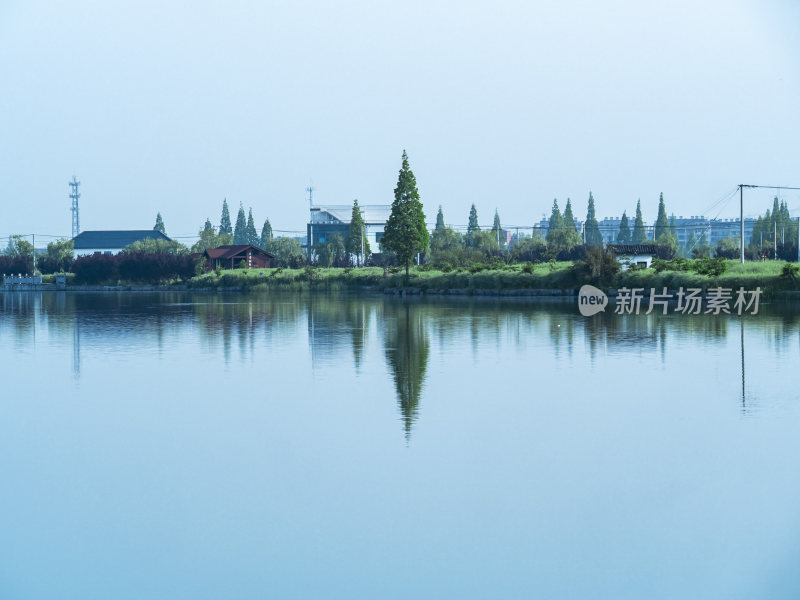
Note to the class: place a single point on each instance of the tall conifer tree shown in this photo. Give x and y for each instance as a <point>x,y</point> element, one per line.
<point>593,235</point>
<point>624,235</point>
<point>570,234</point>
<point>159,226</point>
<point>555,226</point>
<point>405,233</point>
<point>439,220</point>
<point>225,220</point>
<point>240,231</point>
<point>662,224</point>
<point>252,235</point>
<point>357,236</point>
<point>639,233</point>
<point>266,235</point>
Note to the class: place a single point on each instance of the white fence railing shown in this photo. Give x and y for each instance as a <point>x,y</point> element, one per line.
<point>21,279</point>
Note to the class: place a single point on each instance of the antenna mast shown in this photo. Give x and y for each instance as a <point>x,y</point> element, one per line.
<point>74,195</point>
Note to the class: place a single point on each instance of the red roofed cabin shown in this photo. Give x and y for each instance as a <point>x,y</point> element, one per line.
<point>229,257</point>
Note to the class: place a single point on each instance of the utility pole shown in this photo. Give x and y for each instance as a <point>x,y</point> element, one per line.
<point>741,223</point>
<point>363,228</point>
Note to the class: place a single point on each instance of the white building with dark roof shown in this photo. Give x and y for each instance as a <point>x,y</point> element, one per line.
<point>112,241</point>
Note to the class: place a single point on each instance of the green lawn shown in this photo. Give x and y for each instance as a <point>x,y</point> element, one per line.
<point>767,275</point>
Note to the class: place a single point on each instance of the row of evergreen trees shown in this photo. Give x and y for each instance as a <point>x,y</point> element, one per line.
<point>244,232</point>
<point>562,231</point>
<point>776,227</point>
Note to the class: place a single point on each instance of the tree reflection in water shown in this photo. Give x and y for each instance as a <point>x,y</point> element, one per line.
<point>407,351</point>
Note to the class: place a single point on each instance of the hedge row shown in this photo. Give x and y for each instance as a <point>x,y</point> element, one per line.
<point>134,267</point>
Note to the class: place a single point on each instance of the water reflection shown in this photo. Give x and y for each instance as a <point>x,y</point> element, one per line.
<point>336,326</point>
<point>407,349</point>
<point>342,333</point>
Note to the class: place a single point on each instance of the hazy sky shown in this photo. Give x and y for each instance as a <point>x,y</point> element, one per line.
<point>170,107</point>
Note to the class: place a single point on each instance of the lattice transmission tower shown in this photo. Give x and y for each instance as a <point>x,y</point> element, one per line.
<point>74,195</point>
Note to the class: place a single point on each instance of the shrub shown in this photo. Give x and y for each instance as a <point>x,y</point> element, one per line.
<point>599,266</point>
<point>311,273</point>
<point>96,268</point>
<point>676,264</point>
<point>713,267</point>
<point>790,272</point>
<point>477,268</point>
<point>142,267</point>
<point>16,264</point>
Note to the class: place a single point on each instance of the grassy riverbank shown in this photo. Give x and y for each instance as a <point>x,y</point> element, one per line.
<point>557,276</point>
<point>770,276</point>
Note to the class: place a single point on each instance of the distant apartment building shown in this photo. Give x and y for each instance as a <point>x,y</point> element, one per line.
<point>685,227</point>
<point>723,228</point>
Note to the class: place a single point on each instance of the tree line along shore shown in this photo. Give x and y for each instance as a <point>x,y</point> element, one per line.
<point>412,257</point>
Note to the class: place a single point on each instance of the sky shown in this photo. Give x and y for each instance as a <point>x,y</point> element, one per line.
<point>171,107</point>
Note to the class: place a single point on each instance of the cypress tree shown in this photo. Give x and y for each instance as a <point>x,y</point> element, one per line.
<point>159,226</point>
<point>624,235</point>
<point>225,220</point>
<point>497,229</point>
<point>639,234</point>
<point>208,226</point>
<point>571,236</point>
<point>776,215</point>
<point>496,223</point>
<point>439,220</point>
<point>472,226</point>
<point>555,227</point>
<point>673,229</point>
<point>240,231</point>
<point>356,235</point>
<point>250,231</point>
<point>593,235</point>
<point>785,218</point>
<point>405,233</point>
<point>266,235</point>
<point>662,224</point>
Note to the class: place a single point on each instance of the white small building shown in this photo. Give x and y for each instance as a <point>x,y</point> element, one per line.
<point>111,241</point>
<point>640,255</point>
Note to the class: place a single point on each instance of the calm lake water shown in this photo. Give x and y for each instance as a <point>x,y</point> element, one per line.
<point>189,446</point>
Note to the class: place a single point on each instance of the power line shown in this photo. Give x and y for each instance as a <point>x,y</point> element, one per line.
<point>770,187</point>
